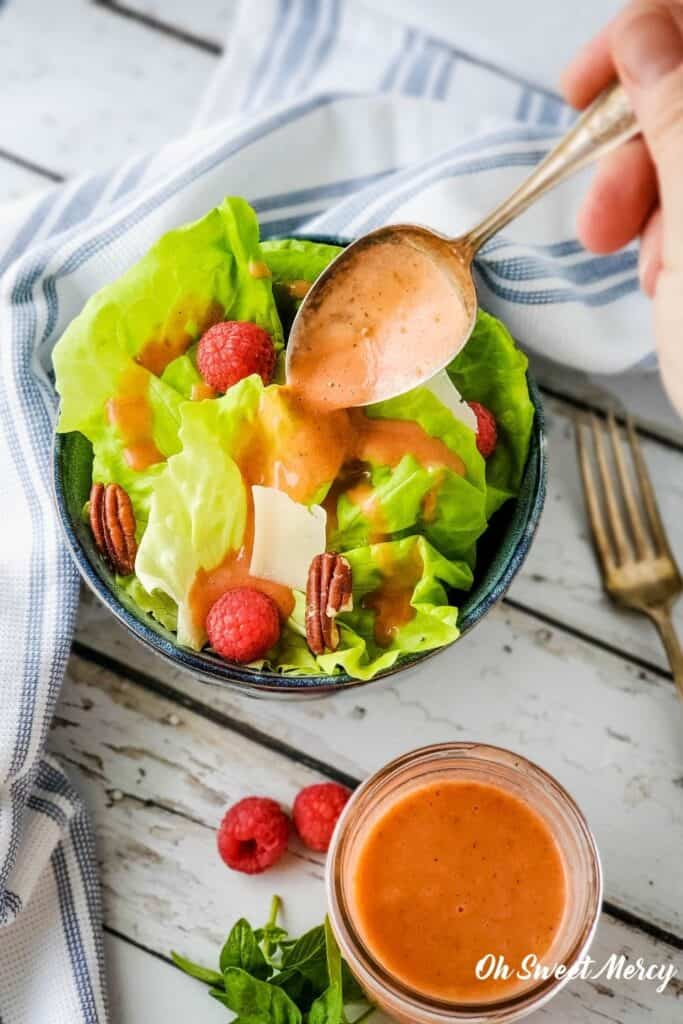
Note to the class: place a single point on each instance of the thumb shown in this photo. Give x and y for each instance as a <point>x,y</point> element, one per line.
<point>647,48</point>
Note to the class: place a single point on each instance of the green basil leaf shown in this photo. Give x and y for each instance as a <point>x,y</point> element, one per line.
<point>310,948</point>
<point>352,991</point>
<point>298,988</point>
<point>248,997</point>
<point>329,1007</point>
<point>241,949</point>
<point>253,1018</point>
<point>334,959</point>
<point>275,933</point>
<point>204,974</point>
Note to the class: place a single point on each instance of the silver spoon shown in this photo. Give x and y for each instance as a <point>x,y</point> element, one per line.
<point>398,304</point>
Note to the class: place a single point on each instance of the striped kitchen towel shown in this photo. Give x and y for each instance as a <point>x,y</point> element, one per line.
<point>327,118</point>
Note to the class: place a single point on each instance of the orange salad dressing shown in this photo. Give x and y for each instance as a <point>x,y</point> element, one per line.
<point>298,289</point>
<point>391,600</point>
<point>185,323</point>
<point>131,413</point>
<point>384,321</point>
<point>233,571</point>
<point>300,439</point>
<point>294,447</point>
<point>453,871</point>
<point>202,390</point>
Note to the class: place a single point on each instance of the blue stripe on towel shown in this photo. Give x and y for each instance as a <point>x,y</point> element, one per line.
<point>329,190</point>
<point>53,781</point>
<point>391,75</point>
<point>416,80</point>
<point>441,86</point>
<point>83,202</point>
<point>475,165</point>
<point>74,941</point>
<point>133,176</point>
<point>27,232</point>
<point>326,44</point>
<point>261,67</point>
<point>587,271</point>
<point>545,297</point>
<point>294,53</point>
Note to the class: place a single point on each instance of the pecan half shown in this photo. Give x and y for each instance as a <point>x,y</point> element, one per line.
<point>112,522</point>
<point>328,592</point>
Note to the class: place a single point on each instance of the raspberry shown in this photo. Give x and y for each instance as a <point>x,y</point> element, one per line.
<point>487,432</point>
<point>232,350</point>
<point>253,835</point>
<point>243,624</point>
<point>315,813</point>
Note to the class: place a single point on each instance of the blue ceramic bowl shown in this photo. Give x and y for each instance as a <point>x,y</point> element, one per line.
<point>501,552</point>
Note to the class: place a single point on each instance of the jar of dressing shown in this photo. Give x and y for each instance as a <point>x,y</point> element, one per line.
<point>463,884</point>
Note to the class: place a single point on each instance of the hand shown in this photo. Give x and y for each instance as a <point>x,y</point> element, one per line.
<point>638,189</point>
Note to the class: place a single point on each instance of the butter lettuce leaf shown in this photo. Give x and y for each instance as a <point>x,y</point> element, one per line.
<point>109,446</point>
<point>448,509</point>
<point>192,277</point>
<point>432,621</point>
<point>198,505</point>
<point>295,259</point>
<point>492,370</point>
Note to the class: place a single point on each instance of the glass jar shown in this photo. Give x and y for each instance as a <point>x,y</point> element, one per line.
<point>481,763</point>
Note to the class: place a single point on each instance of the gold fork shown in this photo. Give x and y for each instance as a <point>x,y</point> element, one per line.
<point>638,567</point>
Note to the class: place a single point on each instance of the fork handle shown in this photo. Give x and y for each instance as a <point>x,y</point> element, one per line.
<point>672,645</point>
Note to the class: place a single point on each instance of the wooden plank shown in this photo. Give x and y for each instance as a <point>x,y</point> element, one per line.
<point>68,92</point>
<point>607,729</point>
<point>143,988</point>
<point>640,394</point>
<point>561,576</point>
<point>17,181</point>
<point>209,21</point>
<point>157,779</point>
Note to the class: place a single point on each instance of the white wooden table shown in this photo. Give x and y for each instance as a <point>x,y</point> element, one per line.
<point>555,672</point>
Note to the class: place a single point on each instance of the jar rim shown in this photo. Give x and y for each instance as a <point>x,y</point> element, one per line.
<point>419,1006</point>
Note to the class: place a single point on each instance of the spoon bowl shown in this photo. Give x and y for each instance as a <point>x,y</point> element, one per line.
<point>390,311</point>
<point>398,304</point>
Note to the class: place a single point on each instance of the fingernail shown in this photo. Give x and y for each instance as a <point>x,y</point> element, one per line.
<point>648,47</point>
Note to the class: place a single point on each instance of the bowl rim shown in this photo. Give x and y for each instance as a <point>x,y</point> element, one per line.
<point>257,682</point>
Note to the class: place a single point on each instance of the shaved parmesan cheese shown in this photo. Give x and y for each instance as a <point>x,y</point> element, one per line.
<point>287,537</point>
<point>443,388</point>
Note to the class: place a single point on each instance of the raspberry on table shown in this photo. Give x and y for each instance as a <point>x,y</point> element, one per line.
<point>232,350</point>
<point>315,813</point>
<point>487,431</point>
<point>243,624</point>
<point>253,835</point>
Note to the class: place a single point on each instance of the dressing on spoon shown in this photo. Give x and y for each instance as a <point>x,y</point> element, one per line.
<point>379,324</point>
<point>398,304</point>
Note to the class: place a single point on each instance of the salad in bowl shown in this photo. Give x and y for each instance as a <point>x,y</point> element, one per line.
<point>242,521</point>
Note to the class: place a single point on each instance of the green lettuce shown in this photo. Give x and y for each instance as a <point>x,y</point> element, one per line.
<point>191,508</point>
<point>434,621</point>
<point>109,462</point>
<point>492,370</point>
<point>198,507</point>
<point>192,277</point>
<point>294,259</point>
<point>399,495</point>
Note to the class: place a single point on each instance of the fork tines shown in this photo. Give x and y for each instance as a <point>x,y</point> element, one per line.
<point>619,538</point>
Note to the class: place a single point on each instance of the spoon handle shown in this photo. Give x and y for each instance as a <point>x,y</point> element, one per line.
<point>607,123</point>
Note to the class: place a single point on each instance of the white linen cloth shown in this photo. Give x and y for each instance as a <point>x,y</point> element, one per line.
<point>335,120</point>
